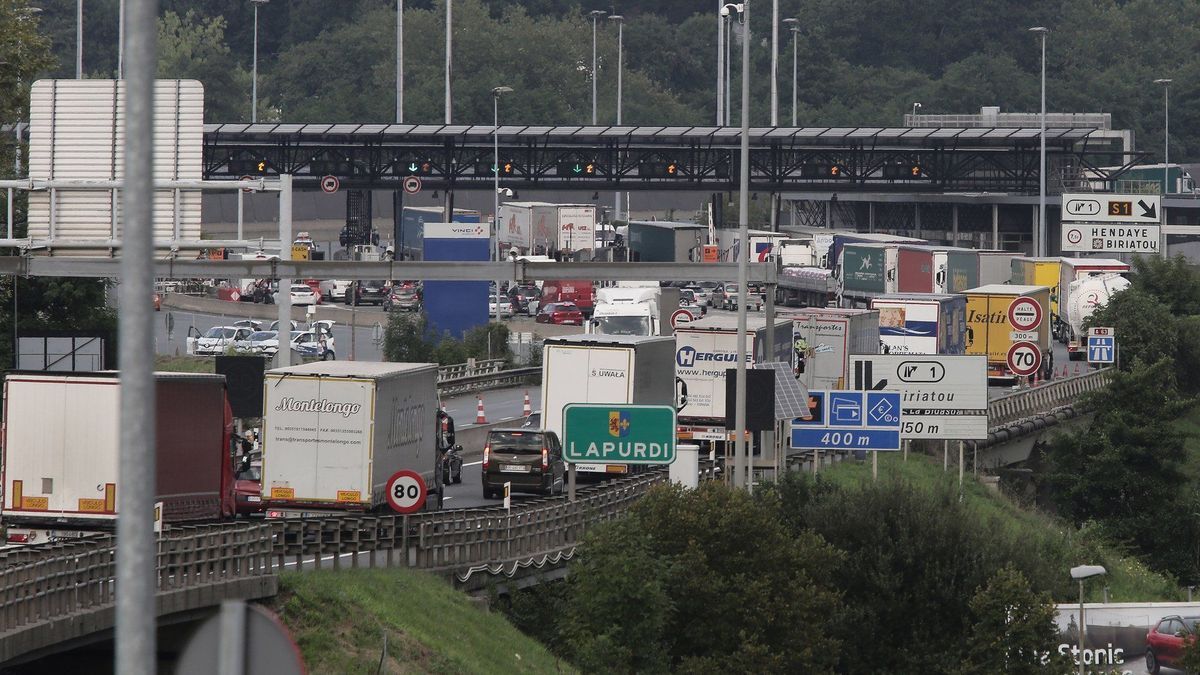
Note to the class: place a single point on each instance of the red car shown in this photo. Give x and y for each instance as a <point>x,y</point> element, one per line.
<point>560,313</point>
<point>1166,641</point>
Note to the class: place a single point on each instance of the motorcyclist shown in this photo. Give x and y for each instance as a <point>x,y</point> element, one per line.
<point>445,443</point>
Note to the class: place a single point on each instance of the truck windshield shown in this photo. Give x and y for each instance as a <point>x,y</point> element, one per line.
<point>622,325</point>
<point>515,442</point>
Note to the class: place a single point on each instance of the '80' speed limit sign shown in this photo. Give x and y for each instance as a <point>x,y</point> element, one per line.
<point>406,491</point>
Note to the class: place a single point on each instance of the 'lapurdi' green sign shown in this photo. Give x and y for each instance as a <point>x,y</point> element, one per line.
<point>619,434</point>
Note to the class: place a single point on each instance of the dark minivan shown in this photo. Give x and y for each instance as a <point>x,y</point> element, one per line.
<point>530,459</point>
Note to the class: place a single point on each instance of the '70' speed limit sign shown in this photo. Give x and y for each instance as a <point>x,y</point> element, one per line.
<point>406,491</point>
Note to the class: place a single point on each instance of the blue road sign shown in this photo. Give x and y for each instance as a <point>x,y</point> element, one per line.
<point>883,409</point>
<point>846,439</point>
<point>1101,349</point>
<point>845,408</point>
<point>816,406</point>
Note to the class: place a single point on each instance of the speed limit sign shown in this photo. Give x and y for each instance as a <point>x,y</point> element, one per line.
<point>1024,358</point>
<point>406,491</point>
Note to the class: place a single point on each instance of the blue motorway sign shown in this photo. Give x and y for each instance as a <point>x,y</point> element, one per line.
<point>1101,348</point>
<point>846,439</point>
<point>853,420</point>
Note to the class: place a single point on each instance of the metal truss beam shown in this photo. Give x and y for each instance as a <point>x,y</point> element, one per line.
<point>71,266</point>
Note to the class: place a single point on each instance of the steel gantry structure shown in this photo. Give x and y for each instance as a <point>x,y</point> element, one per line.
<point>904,159</point>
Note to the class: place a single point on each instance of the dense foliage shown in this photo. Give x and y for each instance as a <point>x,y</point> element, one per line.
<point>411,339</point>
<point>859,63</point>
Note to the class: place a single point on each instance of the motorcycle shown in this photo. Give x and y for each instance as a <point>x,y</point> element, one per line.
<point>452,464</point>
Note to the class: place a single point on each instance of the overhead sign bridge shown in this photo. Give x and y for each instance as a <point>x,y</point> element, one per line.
<point>904,159</point>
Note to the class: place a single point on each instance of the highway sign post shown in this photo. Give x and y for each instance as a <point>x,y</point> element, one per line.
<point>618,434</point>
<point>1101,345</point>
<point>406,491</point>
<point>851,420</point>
<point>1024,358</point>
<point>1111,208</point>
<point>941,397</point>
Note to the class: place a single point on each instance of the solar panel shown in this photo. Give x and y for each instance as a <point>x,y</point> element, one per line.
<point>791,397</point>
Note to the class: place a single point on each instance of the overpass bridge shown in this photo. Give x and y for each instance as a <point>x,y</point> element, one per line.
<point>60,595</point>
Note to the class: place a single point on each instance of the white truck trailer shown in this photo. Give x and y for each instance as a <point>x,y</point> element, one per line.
<point>620,369</point>
<point>334,432</point>
<point>823,338</point>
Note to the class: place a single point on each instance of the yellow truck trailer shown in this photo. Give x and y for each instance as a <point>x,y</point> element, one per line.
<point>992,332</point>
<point>1042,272</point>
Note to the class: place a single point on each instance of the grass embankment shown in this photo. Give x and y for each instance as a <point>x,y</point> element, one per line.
<point>1128,579</point>
<point>340,618</point>
<point>184,364</point>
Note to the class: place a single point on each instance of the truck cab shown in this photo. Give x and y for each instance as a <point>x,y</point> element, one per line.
<point>644,310</point>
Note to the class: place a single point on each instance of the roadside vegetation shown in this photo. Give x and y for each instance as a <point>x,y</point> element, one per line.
<point>412,339</point>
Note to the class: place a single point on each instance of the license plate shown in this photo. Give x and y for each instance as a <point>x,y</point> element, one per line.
<point>253,499</point>
<point>514,468</point>
<point>589,468</point>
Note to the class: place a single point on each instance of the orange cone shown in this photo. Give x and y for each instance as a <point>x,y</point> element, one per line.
<point>1077,371</point>
<point>1034,380</point>
<point>527,408</point>
<point>480,417</point>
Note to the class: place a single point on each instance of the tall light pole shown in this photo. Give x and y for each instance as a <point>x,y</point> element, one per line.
<point>79,39</point>
<point>595,14</point>
<point>774,63</point>
<point>449,52</point>
<point>121,40</point>
<point>1040,243</point>
<point>1166,83</point>
<point>723,62</point>
<point>254,66</point>
<point>1080,574</point>
<point>399,61</point>
<point>495,239</point>
<point>720,62</point>
<point>620,20</point>
<point>741,457</point>
<point>916,107</point>
<point>794,25</point>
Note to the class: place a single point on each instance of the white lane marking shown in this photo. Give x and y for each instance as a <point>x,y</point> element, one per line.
<point>474,463</point>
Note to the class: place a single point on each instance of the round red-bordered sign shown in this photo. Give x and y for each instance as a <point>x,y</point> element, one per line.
<point>412,185</point>
<point>330,184</point>
<point>681,316</point>
<point>1024,358</point>
<point>406,491</point>
<point>1025,313</point>
<point>247,177</point>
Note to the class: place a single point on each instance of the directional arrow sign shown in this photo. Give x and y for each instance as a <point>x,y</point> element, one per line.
<point>413,167</point>
<point>1111,208</point>
<point>577,169</point>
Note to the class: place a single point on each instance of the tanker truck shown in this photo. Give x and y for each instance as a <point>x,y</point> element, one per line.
<point>1085,296</point>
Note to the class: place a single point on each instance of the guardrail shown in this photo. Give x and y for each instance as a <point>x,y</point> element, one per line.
<point>498,378</point>
<point>470,369</point>
<point>1014,408</point>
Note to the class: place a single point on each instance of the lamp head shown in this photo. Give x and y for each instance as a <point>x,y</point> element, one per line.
<point>259,2</point>
<point>793,22</point>
<point>496,91</point>
<point>616,17</point>
<point>596,13</point>
<point>1039,29</point>
<point>1087,572</point>
<point>1163,81</point>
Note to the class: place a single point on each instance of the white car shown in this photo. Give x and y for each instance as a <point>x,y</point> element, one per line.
<point>302,294</point>
<point>334,289</point>
<point>252,324</point>
<point>261,342</point>
<point>275,325</point>
<point>314,344</point>
<point>217,339</point>
<point>506,308</point>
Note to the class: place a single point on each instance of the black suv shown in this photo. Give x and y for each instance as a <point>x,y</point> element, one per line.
<point>529,459</point>
<point>371,292</point>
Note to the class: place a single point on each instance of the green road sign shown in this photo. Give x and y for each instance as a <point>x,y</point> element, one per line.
<point>619,434</point>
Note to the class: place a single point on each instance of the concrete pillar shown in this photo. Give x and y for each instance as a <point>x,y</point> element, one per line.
<point>954,225</point>
<point>828,215</point>
<point>917,220</point>
<point>995,226</point>
<point>871,217</point>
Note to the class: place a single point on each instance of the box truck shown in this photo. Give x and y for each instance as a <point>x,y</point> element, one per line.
<point>926,323</point>
<point>621,369</point>
<point>630,310</point>
<point>823,340</point>
<point>62,440</point>
<point>664,241</point>
<point>990,331</point>
<point>703,350</point>
<point>334,432</point>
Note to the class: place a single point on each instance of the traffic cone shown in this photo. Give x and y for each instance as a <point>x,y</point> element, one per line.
<point>480,417</point>
<point>1065,373</point>
<point>1077,370</point>
<point>527,407</point>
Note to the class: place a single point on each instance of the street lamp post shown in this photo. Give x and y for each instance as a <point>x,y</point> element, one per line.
<point>1166,83</point>
<point>794,25</point>
<point>916,107</point>
<point>449,52</point>
<point>595,14</point>
<point>721,62</point>
<point>1080,574</point>
<point>724,63</point>
<point>620,20</point>
<point>79,39</point>
<point>1041,229</point>
<point>774,63</point>
<point>254,65</point>
<point>495,242</point>
<point>741,456</point>
<point>399,61</point>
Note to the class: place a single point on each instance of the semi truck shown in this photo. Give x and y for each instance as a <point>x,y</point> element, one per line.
<point>933,269</point>
<point>1046,272</point>
<point>528,227</point>
<point>634,310</point>
<point>864,271</point>
<point>62,444</point>
<point>704,349</point>
<point>620,369</point>
<point>995,267</point>
<point>927,323</point>
<point>990,330</point>
<point>823,340</point>
<point>665,241</point>
<point>1090,290</point>
<point>334,432</point>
